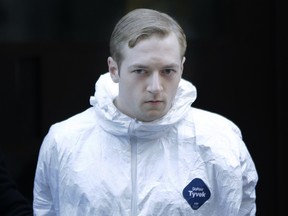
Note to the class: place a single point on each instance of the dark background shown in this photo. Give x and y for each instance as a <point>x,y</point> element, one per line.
<point>53,51</point>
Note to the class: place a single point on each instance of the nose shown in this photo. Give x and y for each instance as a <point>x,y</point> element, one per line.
<point>154,83</point>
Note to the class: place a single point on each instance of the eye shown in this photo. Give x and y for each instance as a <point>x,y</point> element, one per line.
<point>139,71</point>
<point>169,71</point>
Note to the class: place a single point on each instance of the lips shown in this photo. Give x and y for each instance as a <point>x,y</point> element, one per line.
<point>154,101</point>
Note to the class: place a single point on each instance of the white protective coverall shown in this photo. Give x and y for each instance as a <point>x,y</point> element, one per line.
<point>103,163</point>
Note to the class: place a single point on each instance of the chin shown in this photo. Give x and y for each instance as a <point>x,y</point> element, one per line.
<point>154,117</point>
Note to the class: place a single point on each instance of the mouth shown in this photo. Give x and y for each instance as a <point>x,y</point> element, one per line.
<point>154,102</point>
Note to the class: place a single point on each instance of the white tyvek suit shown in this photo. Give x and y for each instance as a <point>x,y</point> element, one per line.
<point>103,163</point>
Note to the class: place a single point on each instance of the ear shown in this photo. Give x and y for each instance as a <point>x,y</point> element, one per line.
<point>182,64</point>
<point>113,69</point>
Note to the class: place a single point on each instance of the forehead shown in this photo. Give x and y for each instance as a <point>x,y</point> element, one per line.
<point>154,44</point>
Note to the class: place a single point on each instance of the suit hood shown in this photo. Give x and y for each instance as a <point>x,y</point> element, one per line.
<point>118,123</point>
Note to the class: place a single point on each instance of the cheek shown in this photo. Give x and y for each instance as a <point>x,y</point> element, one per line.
<point>172,90</point>
<point>129,90</point>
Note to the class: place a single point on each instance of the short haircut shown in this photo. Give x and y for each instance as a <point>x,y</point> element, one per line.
<point>141,24</point>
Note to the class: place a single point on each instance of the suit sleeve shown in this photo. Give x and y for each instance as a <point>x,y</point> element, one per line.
<point>45,182</point>
<point>249,179</point>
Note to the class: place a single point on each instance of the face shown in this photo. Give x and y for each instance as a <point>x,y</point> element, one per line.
<point>148,77</point>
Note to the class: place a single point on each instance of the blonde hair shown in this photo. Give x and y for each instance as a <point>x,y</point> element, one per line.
<point>141,24</point>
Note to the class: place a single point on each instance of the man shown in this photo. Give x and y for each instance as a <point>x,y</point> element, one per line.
<point>142,149</point>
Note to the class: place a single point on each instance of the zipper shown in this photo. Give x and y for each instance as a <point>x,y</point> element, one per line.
<point>133,143</point>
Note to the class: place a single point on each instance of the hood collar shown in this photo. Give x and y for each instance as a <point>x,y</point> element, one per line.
<point>118,123</point>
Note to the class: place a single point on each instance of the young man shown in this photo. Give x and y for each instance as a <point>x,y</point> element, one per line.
<point>142,149</point>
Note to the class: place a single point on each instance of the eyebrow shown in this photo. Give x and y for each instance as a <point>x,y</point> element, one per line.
<point>137,66</point>
<point>143,66</point>
<point>172,66</point>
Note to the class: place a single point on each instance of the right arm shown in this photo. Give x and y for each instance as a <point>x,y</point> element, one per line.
<point>45,182</point>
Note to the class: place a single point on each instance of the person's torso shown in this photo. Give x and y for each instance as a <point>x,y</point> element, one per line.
<point>176,174</point>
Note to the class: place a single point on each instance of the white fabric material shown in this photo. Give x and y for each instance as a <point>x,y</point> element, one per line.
<point>102,162</point>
